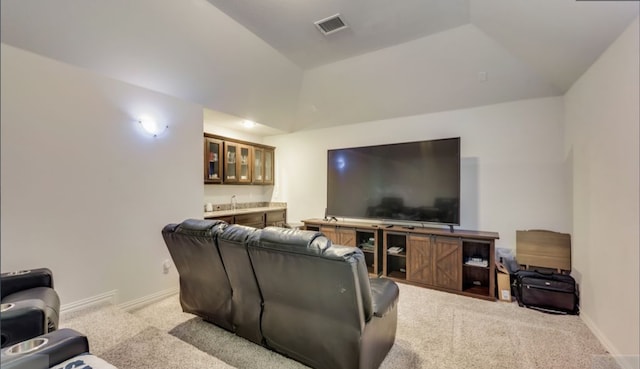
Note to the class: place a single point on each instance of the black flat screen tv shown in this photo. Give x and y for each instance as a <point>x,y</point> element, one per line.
<point>403,182</point>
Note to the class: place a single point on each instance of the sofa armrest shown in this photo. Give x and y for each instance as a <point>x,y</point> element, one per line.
<point>384,295</point>
<point>22,280</point>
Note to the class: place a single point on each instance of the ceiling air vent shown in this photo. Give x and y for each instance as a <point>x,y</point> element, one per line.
<point>330,25</point>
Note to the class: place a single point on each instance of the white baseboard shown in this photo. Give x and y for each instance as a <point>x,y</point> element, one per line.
<point>625,361</point>
<point>146,300</point>
<point>107,298</point>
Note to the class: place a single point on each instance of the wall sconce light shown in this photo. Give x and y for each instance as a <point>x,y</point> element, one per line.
<point>152,127</point>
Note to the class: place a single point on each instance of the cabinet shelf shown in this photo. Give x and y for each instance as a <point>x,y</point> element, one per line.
<point>477,290</point>
<point>396,274</point>
<point>399,255</point>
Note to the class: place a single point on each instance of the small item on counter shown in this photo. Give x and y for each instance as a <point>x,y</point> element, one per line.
<point>208,207</point>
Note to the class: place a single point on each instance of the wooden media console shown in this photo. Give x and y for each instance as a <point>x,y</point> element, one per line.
<point>461,261</point>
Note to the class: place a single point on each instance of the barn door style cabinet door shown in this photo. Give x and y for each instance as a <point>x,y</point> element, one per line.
<point>435,261</point>
<point>420,254</point>
<point>345,236</point>
<point>447,263</point>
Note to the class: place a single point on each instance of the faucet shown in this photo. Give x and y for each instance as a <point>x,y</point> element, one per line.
<point>234,203</point>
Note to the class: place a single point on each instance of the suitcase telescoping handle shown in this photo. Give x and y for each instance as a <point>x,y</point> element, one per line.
<point>543,273</point>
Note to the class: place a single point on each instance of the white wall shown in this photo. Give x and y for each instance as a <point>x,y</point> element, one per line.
<point>602,140</point>
<point>512,163</point>
<point>188,49</point>
<point>84,191</point>
<point>399,80</point>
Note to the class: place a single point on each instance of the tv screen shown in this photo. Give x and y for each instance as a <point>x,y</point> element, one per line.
<point>406,182</point>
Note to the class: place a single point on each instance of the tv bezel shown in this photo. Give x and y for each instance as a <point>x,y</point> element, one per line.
<point>392,221</point>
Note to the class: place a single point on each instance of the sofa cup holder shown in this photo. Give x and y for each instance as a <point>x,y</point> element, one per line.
<point>5,307</point>
<point>27,346</point>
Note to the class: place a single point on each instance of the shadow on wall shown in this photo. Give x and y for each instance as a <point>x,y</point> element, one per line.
<point>469,193</point>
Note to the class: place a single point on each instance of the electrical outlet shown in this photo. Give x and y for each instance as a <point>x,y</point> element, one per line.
<point>166,265</point>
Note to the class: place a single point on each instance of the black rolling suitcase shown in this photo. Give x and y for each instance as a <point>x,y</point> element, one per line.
<point>553,293</point>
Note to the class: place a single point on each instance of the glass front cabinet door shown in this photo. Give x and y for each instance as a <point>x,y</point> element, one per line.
<point>268,166</point>
<point>212,160</point>
<point>231,164</point>
<point>258,165</point>
<point>244,164</point>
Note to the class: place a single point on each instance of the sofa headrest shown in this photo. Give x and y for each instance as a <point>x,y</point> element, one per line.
<point>237,233</point>
<point>199,227</point>
<point>307,242</point>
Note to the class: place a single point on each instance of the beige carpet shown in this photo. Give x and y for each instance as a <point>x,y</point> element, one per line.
<point>435,330</point>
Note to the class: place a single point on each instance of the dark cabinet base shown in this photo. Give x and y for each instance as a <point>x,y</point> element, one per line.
<point>258,219</point>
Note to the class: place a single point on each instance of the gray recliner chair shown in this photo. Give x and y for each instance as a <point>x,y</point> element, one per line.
<point>204,288</point>
<point>30,305</point>
<point>289,290</point>
<point>319,305</point>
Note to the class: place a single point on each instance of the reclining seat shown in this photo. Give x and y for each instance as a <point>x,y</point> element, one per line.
<point>204,288</point>
<point>246,300</point>
<point>320,307</point>
<point>30,305</point>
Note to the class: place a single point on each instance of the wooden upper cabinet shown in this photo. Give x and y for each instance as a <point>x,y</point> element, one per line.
<point>212,160</point>
<point>237,162</point>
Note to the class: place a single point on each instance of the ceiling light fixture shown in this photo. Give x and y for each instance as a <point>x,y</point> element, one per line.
<point>248,124</point>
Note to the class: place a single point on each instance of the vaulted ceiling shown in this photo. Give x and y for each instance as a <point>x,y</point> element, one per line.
<point>267,61</point>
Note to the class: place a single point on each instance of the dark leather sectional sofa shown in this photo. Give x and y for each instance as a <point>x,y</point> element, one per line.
<point>291,291</point>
